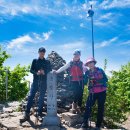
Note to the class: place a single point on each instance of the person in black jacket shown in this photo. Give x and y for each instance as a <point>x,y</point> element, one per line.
<point>39,68</point>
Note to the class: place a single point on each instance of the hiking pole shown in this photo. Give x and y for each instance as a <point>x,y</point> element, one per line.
<point>37,97</point>
<point>91,100</point>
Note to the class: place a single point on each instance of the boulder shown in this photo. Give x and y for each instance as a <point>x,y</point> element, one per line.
<point>71,119</point>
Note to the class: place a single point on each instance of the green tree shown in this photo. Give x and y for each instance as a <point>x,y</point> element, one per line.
<point>118,95</point>
<point>3,57</point>
<point>17,85</point>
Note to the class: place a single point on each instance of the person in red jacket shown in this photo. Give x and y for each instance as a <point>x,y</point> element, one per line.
<point>75,68</point>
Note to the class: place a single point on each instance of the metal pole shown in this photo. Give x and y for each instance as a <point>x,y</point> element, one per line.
<point>92,35</point>
<point>90,14</point>
<point>6,84</point>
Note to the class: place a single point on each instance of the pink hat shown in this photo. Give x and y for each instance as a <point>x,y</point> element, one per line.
<point>90,60</point>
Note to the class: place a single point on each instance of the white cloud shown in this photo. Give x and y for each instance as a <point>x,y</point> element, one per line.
<point>72,46</point>
<point>102,23</point>
<point>106,19</point>
<point>106,43</point>
<point>82,25</point>
<point>13,8</point>
<point>85,6</point>
<point>10,9</point>
<point>108,4</point>
<point>29,38</point>
<point>93,2</point>
<point>106,16</point>
<point>78,10</point>
<point>18,42</point>
<point>40,7</point>
<point>126,43</point>
<point>56,8</point>
<point>47,35</point>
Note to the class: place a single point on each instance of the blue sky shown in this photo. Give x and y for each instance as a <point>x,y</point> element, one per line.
<point>63,26</point>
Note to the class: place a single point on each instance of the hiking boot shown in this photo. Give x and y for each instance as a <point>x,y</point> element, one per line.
<point>73,109</point>
<point>74,106</point>
<point>79,110</point>
<point>40,118</point>
<point>26,117</point>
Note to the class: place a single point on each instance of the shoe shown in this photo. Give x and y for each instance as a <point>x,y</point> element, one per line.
<point>74,106</point>
<point>25,118</point>
<point>84,125</point>
<point>40,118</point>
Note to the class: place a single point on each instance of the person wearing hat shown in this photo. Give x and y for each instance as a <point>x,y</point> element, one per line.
<point>39,68</point>
<point>75,68</point>
<point>97,80</point>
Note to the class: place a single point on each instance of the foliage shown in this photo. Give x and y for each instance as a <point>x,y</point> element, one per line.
<point>17,85</point>
<point>118,95</point>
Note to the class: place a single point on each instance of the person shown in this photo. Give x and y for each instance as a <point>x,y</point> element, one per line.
<point>75,68</point>
<point>97,80</point>
<point>39,68</point>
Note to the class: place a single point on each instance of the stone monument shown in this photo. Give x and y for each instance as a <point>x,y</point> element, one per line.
<point>51,119</point>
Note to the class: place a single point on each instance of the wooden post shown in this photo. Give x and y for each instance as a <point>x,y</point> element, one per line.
<point>6,84</point>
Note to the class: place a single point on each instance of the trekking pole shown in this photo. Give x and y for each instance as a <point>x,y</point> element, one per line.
<point>91,99</point>
<point>90,118</point>
<point>37,97</point>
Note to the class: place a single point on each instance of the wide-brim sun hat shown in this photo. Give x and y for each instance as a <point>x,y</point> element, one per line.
<point>90,60</point>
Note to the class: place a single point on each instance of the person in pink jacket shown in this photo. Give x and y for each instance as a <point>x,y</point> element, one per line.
<point>96,80</point>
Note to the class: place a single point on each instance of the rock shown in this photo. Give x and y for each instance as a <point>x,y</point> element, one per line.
<point>9,123</point>
<point>26,124</point>
<point>8,110</point>
<point>64,91</point>
<point>71,119</point>
<point>13,104</point>
<point>15,114</point>
<point>61,110</point>
<point>5,115</point>
<point>126,124</point>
